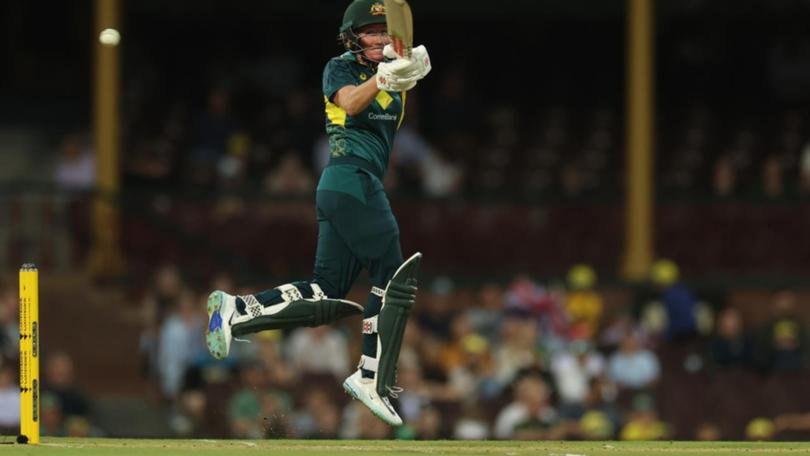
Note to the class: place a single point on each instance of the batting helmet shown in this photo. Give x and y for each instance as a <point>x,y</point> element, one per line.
<point>358,14</point>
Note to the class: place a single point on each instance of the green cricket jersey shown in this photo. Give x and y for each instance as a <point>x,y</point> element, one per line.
<point>368,135</point>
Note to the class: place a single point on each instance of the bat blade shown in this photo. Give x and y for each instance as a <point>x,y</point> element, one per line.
<point>400,26</point>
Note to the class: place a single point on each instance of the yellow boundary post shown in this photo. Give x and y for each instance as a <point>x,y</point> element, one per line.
<point>29,355</point>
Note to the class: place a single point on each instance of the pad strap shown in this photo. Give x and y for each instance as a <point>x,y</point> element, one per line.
<point>368,363</point>
<point>252,306</point>
<point>317,293</point>
<point>290,309</point>
<point>289,292</point>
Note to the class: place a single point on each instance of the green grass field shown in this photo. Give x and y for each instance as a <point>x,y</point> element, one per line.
<point>120,447</point>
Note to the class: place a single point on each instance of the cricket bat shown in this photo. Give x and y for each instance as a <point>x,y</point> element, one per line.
<point>400,26</point>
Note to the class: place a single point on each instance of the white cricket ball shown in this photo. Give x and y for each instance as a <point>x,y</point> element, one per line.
<point>109,37</point>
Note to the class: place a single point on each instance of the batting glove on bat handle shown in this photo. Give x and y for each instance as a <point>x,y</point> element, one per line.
<point>395,84</point>
<point>421,61</point>
<point>396,76</point>
<point>390,53</point>
<point>418,66</point>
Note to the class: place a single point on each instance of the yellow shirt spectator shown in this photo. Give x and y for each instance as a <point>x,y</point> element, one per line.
<point>584,308</point>
<point>644,430</point>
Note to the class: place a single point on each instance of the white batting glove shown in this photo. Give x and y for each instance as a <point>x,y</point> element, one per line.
<point>402,74</point>
<point>395,84</point>
<point>421,60</point>
<point>389,52</point>
<point>395,76</point>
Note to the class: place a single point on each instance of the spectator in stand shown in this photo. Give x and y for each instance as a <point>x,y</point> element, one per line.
<point>280,374</point>
<point>730,346</point>
<point>516,348</point>
<point>189,414</point>
<point>612,335</point>
<point>74,175</point>
<point>52,421</point>
<point>678,300</point>
<point>544,305</point>
<point>472,376</point>
<point>595,425</point>
<point>429,425</point>
<point>9,325</point>
<point>472,424</point>
<point>573,370</point>
<point>530,415</point>
<point>320,350</point>
<point>180,344</point>
<point>164,293</point>
<point>643,423</point>
<point>60,381</point>
<point>782,344</point>
<point>274,412</point>
<point>75,168</point>
<point>633,367</point>
<point>453,352</point>
<point>582,303</point>
<point>320,417</point>
<point>708,431</point>
<point>441,177</point>
<point>486,315</point>
<point>760,429</point>
<point>77,426</point>
<point>163,296</point>
<point>9,400</point>
<point>435,316</point>
<point>430,359</point>
<point>417,393</point>
<point>602,418</point>
<point>254,412</point>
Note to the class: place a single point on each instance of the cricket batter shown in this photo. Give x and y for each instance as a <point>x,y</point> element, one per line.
<point>364,94</point>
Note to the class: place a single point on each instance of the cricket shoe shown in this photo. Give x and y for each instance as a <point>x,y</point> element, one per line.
<point>365,390</point>
<point>221,307</point>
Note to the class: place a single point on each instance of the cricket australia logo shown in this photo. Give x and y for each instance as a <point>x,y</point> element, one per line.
<point>377,9</point>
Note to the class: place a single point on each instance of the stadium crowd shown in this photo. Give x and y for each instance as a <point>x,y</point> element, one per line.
<point>556,152</point>
<point>520,360</point>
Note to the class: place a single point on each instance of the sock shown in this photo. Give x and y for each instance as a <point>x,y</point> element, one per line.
<point>373,306</point>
